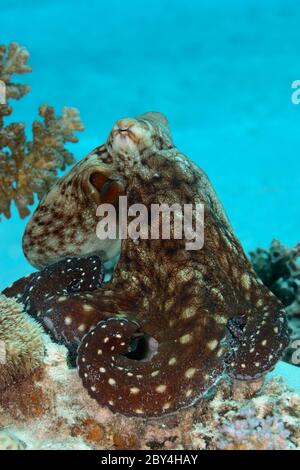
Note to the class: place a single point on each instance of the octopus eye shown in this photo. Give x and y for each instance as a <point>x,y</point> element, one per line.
<point>109,189</point>
<point>142,347</point>
<point>97,179</point>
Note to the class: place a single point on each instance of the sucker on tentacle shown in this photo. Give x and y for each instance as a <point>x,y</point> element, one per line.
<point>171,321</point>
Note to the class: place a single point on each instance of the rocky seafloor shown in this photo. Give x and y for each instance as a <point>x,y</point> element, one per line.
<point>52,410</point>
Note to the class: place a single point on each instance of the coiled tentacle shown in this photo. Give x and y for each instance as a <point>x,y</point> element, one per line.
<point>134,374</point>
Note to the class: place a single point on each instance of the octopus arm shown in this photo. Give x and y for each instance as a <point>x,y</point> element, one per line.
<point>128,370</point>
<point>262,341</point>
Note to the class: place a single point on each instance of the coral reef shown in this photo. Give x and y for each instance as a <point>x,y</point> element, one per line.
<point>202,312</point>
<point>249,432</point>
<point>55,412</point>
<point>269,420</point>
<point>30,167</point>
<point>279,269</point>
<point>22,346</point>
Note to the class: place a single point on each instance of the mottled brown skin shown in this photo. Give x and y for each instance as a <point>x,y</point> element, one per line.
<point>203,312</point>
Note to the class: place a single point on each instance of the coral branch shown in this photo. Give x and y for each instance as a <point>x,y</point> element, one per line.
<point>30,167</point>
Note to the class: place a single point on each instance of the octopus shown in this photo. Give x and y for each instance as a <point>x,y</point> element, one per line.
<point>158,334</point>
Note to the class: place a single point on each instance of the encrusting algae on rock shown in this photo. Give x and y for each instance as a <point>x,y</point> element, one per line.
<point>21,343</point>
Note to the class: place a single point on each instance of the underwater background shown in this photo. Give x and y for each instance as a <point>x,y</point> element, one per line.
<point>220,70</point>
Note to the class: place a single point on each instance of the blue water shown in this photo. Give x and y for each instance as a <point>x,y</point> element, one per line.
<point>220,70</point>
